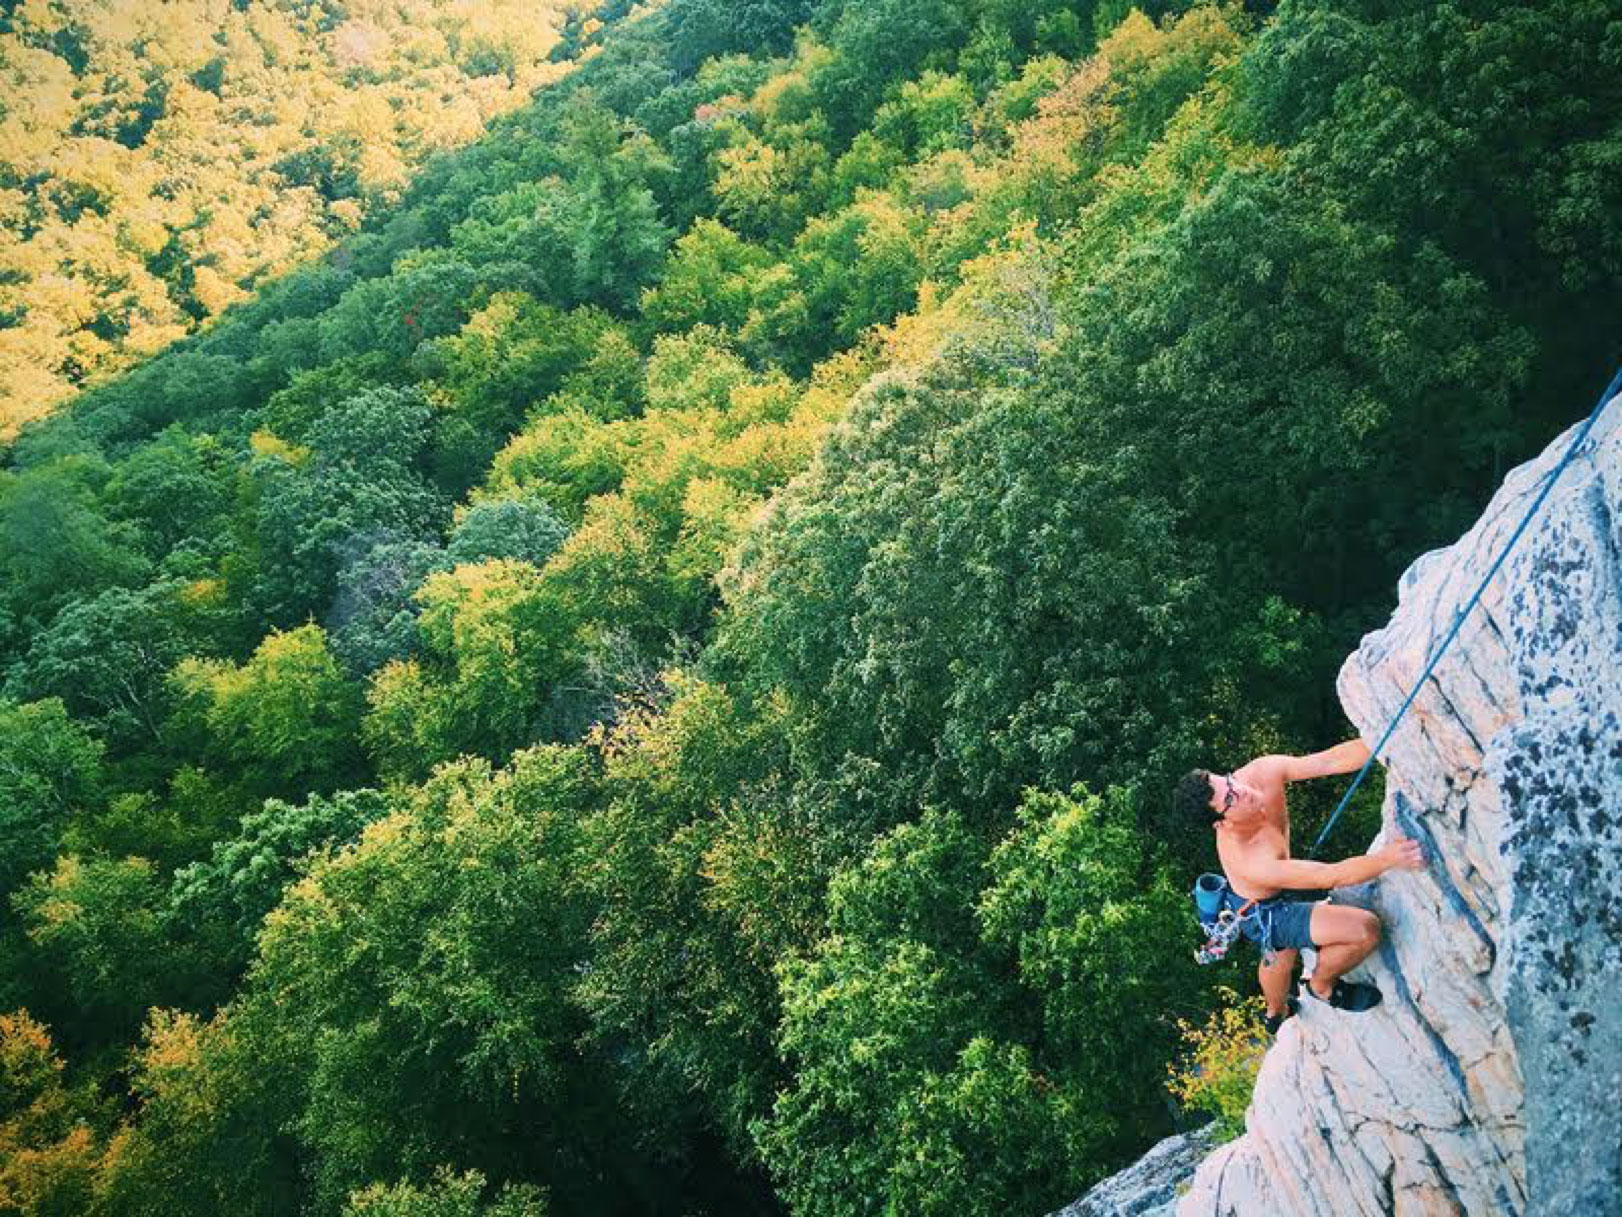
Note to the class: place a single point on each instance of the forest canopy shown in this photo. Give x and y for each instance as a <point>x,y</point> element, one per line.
<point>160,162</point>
<point>647,677</point>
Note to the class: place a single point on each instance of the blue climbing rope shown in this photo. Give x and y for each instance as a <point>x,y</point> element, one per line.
<point>1458,617</point>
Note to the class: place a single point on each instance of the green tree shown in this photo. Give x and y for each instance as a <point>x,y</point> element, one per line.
<point>1101,931</point>
<point>768,185</point>
<point>496,640</point>
<point>421,982</point>
<point>915,577</point>
<point>56,544</point>
<point>175,488</point>
<point>373,618</point>
<point>1397,116</point>
<point>893,1027</point>
<point>876,45</point>
<point>1284,327</point>
<point>221,900</point>
<point>593,233</point>
<point>510,356</point>
<point>956,1036</point>
<point>447,1195</point>
<point>292,410</point>
<point>169,827</point>
<point>209,1138</point>
<point>518,529</point>
<point>688,914</point>
<point>562,460</point>
<point>362,480</point>
<point>98,946</point>
<point>847,270</point>
<point>108,659</point>
<point>707,28</point>
<point>285,722</point>
<point>707,281</point>
<point>931,114</point>
<point>50,772</point>
<point>423,297</point>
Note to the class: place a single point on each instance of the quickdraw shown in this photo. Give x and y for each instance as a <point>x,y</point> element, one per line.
<point>1222,933</point>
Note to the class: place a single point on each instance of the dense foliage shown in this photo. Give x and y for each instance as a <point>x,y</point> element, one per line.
<point>648,680</point>
<point>160,162</point>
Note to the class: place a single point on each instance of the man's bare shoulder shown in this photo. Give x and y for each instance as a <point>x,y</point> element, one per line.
<point>1272,770</point>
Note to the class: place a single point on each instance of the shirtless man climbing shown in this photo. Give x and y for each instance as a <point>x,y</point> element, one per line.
<point>1252,824</point>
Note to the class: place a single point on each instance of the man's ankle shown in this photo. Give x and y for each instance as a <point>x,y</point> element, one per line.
<point>1324,993</point>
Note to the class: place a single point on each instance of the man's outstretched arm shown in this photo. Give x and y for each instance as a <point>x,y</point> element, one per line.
<point>1276,872</point>
<point>1342,758</point>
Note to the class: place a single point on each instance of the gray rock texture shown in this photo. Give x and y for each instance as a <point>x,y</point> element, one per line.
<point>1490,1080</point>
<point>1149,1187</point>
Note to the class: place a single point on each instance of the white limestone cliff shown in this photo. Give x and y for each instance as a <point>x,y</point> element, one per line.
<point>1490,1080</point>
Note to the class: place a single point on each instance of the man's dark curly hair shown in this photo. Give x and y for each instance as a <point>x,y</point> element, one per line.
<point>1191,800</point>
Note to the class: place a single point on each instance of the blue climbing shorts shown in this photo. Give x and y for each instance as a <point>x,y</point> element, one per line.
<point>1288,923</point>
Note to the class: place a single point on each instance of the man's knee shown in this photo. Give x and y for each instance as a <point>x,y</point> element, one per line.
<point>1368,926</point>
<point>1338,925</point>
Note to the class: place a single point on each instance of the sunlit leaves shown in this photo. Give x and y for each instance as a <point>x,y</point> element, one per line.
<point>285,721</point>
<point>707,281</point>
<point>49,1153</point>
<point>889,1026</point>
<point>97,939</point>
<point>1098,927</point>
<point>495,638</point>
<point>692,903</point>
<point>161,164</point>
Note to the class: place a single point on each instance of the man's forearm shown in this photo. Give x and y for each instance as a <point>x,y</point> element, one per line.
<point>1361,869</point>
<point>1304,874</point>
<point>1349,756</point>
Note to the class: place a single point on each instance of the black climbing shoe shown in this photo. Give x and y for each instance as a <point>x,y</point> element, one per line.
<point>1274,1021</point>
<point>1349,995</point>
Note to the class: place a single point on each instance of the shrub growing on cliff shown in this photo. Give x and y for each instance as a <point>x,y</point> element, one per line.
<point>1224,1055</point>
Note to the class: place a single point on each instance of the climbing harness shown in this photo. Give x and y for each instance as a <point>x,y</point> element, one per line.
<point>1461,614</point>
<point>1223,923</point>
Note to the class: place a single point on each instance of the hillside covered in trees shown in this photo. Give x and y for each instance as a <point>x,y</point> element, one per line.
<point>159,161</point>
<point>647,680</point>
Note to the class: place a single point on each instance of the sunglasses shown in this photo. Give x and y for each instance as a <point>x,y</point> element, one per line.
<point>1228,798</point>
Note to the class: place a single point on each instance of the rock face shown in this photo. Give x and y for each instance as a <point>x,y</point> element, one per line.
<point>1147,1188</point>
<point>1490,1080</point>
